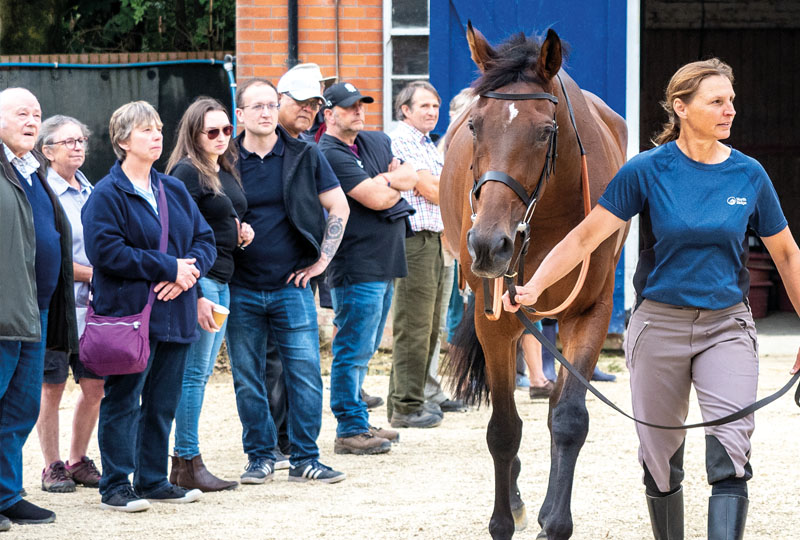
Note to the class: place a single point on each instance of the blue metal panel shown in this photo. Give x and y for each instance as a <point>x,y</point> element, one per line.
<point>594,30</point>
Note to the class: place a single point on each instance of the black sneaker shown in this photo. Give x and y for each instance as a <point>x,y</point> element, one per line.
<point>257,471</point>
<point>23,512</point>
<point>174,495</point>
<point>124,500</point>
<point>5,523</point>
<point>314,470</point>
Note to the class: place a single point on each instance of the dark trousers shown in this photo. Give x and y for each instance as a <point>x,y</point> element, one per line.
<point>135,420</point>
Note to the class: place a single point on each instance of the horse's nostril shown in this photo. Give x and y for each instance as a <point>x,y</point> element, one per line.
<point>503,248</point>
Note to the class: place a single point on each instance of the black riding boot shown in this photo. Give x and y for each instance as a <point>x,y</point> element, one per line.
<point>727,515</point>
<point>666,516</point>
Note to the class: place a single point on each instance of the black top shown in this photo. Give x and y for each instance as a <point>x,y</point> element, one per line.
<point>220,211</point>
<point>373,246</point>
<point>284,209</point>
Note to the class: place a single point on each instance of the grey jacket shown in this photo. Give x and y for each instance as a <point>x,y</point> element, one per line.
<point>19,313</point>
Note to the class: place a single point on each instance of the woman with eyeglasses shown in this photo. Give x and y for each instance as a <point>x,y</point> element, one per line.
<point>63,141</point>
<point>205,161</point>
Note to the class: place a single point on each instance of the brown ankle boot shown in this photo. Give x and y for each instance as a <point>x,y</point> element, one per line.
<point>195,476</point>
<point>178,469</point>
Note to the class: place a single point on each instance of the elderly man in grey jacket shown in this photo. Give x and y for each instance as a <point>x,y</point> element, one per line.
<point>36,273</point>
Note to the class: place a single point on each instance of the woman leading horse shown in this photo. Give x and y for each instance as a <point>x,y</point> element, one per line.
<point>692,325</point>
<point>514,164</point>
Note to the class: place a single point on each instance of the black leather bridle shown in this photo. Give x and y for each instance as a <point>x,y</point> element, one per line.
<point>523,227</point>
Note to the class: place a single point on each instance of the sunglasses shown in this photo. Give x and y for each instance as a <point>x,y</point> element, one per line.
<point>213,133</point>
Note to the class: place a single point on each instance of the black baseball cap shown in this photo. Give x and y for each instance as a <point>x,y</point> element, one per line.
<point>344,95</point>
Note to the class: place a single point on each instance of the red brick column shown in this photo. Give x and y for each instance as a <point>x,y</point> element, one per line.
<point>262,43</point>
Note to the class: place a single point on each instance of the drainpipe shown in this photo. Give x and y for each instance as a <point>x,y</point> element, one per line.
<point>336,18</point>
<point>293,39</point>
<point>228,65</point>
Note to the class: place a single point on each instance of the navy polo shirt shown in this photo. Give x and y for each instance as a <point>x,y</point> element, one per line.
<point>694,217</point>
<point>278,246</point>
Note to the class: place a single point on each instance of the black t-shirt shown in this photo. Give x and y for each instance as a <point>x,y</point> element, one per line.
<point>220,211</point>
<point>373,248</point>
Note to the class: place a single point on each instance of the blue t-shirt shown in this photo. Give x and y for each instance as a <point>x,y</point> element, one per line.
<point>694,219</point>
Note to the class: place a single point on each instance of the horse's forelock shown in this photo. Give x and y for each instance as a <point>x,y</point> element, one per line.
<point>511,62</point>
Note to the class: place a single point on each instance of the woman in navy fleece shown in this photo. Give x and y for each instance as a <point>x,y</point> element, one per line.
<point>123,232</point>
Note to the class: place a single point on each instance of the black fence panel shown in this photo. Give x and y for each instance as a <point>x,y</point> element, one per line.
<point>92,94</point>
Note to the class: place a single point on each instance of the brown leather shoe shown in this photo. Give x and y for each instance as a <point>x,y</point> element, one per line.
<point>194,475</point>
<point>373,402</point>
<point>389,434</point>
<point>361,444</point>
<point>542,392</point>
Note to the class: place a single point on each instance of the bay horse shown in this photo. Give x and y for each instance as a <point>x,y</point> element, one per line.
<point>509,131</point>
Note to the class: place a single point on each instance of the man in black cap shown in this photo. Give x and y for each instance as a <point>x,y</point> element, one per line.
<point>370,257</point>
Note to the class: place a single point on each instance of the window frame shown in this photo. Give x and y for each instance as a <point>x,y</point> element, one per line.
<point>389,32</point>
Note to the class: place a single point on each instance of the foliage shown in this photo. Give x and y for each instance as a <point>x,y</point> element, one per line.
<point>83,26</point>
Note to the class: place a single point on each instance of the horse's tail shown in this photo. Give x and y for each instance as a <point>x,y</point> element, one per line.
<point>466,363</point>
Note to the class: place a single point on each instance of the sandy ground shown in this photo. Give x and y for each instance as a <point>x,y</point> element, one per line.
<point>438,484</point>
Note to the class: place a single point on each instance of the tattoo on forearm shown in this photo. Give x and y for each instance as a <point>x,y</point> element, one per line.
<point>334,230</point>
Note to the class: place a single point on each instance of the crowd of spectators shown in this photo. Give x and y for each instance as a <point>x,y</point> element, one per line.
<point>303,201</point>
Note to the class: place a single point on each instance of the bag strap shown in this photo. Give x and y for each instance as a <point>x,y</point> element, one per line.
<point>163,216</point>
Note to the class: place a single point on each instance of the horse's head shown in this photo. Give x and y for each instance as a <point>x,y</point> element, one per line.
<point>514,142</point>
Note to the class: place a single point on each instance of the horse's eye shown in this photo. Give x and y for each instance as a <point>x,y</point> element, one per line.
<point>470,125</point>
<point>543,134</point>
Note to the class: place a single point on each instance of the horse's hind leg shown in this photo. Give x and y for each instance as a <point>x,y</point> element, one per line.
<point>505,426</point>
<point>569,419</point>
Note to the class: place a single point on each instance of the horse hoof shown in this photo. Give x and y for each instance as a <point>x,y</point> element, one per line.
<point>520,518</point>
<point>542,534</point>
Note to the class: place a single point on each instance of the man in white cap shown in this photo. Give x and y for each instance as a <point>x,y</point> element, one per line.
<point>300,91</point>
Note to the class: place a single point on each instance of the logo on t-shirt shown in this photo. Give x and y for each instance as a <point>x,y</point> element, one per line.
<point>737,200</point>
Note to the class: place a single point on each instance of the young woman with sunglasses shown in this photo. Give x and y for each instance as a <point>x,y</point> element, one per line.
<point>204,160</point>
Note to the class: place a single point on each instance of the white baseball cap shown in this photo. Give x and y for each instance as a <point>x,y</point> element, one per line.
<point>302,82</point>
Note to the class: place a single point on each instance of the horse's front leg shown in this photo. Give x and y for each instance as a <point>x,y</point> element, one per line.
<point>505,426</point>
<point>568,420</point>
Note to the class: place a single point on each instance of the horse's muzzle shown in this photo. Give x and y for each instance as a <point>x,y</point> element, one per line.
<point>490,252</point>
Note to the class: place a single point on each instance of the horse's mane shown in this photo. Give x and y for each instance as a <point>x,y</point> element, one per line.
<point>511,62</point>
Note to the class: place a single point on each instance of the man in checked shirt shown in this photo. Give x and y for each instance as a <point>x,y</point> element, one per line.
<point>418,297</point>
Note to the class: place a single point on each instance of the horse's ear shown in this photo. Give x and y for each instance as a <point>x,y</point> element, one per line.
<point>549,61</point>
<point>479,48</point>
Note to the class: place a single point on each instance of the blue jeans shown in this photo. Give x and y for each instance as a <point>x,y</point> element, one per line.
<point>199,367</point>
<point>135,419</point>
<point>21,371</point>
<point>361,310</point>
<point>455,310</point>
<point>292,316</point>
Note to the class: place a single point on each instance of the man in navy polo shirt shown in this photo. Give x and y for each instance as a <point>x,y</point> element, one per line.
<point>371,256</point>
<point>287,188</point>
<point>37,301</point>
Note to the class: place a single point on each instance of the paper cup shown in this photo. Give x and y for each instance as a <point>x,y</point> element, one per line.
<point>219,313</point>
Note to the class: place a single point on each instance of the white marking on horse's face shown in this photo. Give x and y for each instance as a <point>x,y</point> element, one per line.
<point>512,113</point>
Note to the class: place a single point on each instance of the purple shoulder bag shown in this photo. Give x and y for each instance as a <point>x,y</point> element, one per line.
<point>121,345</point>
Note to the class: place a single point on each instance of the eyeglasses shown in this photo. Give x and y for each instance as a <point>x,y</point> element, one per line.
<point>213,133</point>
<point>259,107</point>
<point>72,144</point>
<point>312,103</point>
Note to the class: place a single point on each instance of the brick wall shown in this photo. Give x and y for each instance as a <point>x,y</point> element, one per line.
<point>262,43</point>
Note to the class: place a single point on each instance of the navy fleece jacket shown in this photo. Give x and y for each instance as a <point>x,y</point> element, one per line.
<point>122,234</point>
